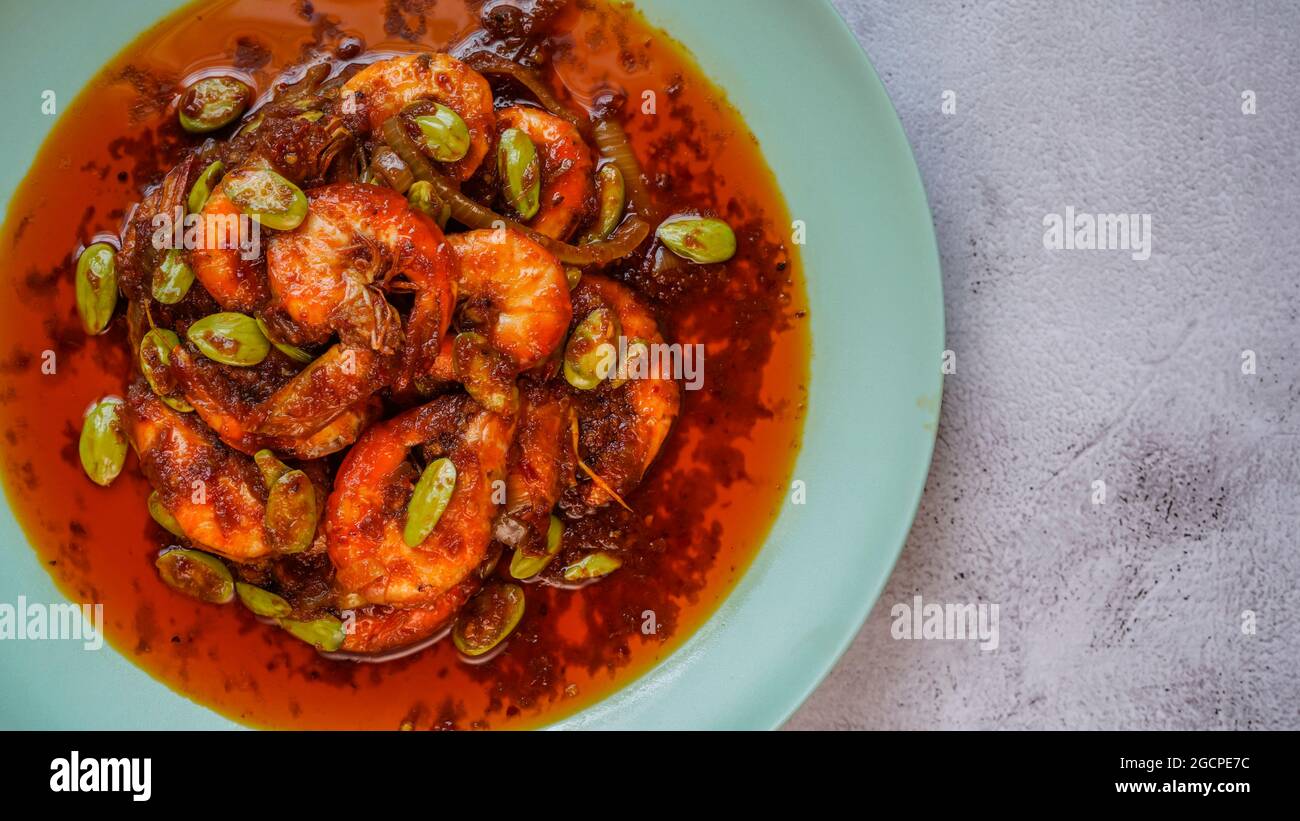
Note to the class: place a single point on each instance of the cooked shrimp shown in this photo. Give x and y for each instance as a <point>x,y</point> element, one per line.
<point>567,168</point>
<point>236,283</point>
<point>379,628</point>
<point>622,428</point>
<point>514,292</point>
<point>300,149</point>
<point>319,411</point>
<point>327,274</point>
<point>214,493</point>
<point>540,466</point>
<point>299,132</point>
<point>381,90</point>
<point>140,255</point>
<point>336,435</point>
<point>338,379</point>
<point>365,516</point>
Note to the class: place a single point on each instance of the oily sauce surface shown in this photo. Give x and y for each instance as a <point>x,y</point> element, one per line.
<point>701,514</point>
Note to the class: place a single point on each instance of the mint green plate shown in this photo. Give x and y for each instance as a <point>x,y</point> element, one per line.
<point>830,134</point>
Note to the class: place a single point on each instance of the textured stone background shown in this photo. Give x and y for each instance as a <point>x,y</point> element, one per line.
<point>1075,366</point>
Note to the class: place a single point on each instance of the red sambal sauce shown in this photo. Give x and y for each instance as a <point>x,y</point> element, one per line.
<point>701,514</point>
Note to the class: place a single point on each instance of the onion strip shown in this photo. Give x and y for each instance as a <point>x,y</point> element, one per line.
<point>612,141</point>
<point>486,62</point>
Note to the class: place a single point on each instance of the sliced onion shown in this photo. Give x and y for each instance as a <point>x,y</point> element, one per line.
<point>486,62</point>
<point>613,143</point>
<point>622,243</point>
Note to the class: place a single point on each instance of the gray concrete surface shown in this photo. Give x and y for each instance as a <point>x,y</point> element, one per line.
<point>1078,366</point>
